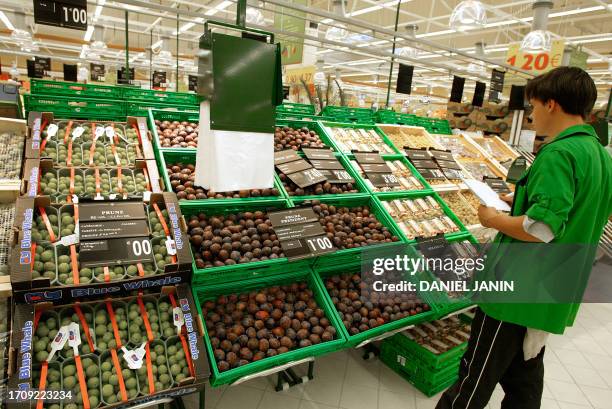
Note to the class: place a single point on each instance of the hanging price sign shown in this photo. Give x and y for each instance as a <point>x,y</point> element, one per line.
<point>537,63</point>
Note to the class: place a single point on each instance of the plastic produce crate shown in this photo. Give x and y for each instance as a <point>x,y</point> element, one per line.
<point>344,256</point>
<point>349,114</point>
<point>426,386</point>
<point>374,334</point>
<point>271,267</point>
<point>387,196</point>
<point>209,292</point>
<point>166,97</point>
<point>70,89</point>
<point>159,115</point>
<point>73,107</point>
<point>302,117</point>
<point>141,108</point>
<point>170,157</point>
<point>290,107</point>
<point>312,125</point>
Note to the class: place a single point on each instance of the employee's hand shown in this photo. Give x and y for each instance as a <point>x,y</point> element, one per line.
<point>485,214</point>
<point>507,198</point>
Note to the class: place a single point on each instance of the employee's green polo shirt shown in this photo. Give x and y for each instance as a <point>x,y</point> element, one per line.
<point>568,187</point>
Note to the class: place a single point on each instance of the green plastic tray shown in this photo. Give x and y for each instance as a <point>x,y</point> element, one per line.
<point>155,114</point>
<point>386,196</point>
<point>165,97</point>
<point>293,116</point>
<point>313,126</point>
<point>359,183</point>
<point>189,156</point>
<point>385,139</point>
<point>374,333</point>
<point>239,272</point>
<point>71,89</point>
<point>208,292</point>
<point>76,107</point>
<point>291,107</point>
<point>406,162</point>
<point>344,256</point>
<point>446,378</point>
<point>141,108</point>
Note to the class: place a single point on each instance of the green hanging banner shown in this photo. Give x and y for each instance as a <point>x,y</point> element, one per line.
<point>291,48</point>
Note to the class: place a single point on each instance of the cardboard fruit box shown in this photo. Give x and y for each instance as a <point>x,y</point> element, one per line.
<point>95,249</point>
<point>165,325</point>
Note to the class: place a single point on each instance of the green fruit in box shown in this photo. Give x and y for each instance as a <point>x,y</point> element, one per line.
<point>156,227</point>
<point>114,273</point>
<point>179,367</point>
<point>109,375</point>
<point>141,181</point>
<point>48,183</point>
<point>90,184</point>
<point>98,156</point>
<point>39,229</point>
<point>62,155</point>
<point>161,254</point>
<point>122,155</point>
<point>161,381</point>
<point>64,184</point>
<point>65,274</point>
<point>131,136</point>
<point>91,370</point>
<point>67,223</point>
<point>50,151</point>
<point>105,336</point>
<point>132,270</point>
<point>42,268</point>
<point>138,331</point>
<point>127,182</point>
<point>69,315</point>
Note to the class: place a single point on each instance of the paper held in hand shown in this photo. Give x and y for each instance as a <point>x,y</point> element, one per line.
<point>486,195</point>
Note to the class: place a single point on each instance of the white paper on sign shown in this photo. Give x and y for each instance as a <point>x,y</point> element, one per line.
<point>242,160</point>
<point>203,170</point>
<point>486,195</point>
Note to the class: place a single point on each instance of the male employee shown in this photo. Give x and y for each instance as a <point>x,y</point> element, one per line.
<point>564,199</point>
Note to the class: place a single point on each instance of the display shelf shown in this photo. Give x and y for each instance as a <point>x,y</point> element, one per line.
<point>380,331</point>
<point>168,158</point>
<point>141,108</point>
<point>271,364</point>
<point>497,149</point>
<point>315,126</point>
<point>349,114</point>
<point>155,115</point>
<point>77,107</point>
<point>352,133</point>
<point>70,89</point>
<point>162,97</point>
<point>295,108</point>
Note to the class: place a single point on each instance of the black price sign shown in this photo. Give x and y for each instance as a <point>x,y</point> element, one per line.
<point>518,167</point>
<point>498,185</point>
<point>434,174</point>
<point>307,247</point>
<point>110,229</point>
<point>326,164</point>
<point>368,158</point>
<point>295,166</point>
<point>383,179</point>
<point>61,13</point>
<point>193,83</point>
<point>441,155</point>
<point>159,79</point>
<point>417,154</point>
<point>320,153</point>
<point>307,177</point>
<point>285,156</point>
<point>449,164</point>
<point>375,167</point>
<point>96,253</point>
<point>97,72</point>
<point>424,164</point>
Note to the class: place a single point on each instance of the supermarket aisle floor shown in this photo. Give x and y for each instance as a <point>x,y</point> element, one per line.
<point>578,376</point>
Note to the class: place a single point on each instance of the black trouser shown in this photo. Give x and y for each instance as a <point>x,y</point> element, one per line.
<point>495,355</point>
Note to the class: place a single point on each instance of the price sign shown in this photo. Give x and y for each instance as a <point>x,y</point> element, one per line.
<point>61,13</point>
<point>383,179</point>
<point>295,76</point>
<point>96,253</point>
<point>537,63</point>
<point>159,79</point>
<point>193,83</point>
<point>307,177</point>
<point>97,72</point>
<point>337,176</point>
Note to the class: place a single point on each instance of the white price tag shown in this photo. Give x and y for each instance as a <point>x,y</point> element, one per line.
<point>179,319</point>
<point>52,130</point>
<point>77,132</point>
<point>110,132</point>
<point>58,342</point>
<point>146,196</point>
<point>74,337</point>
<point>134,357</point>
<point>112,196</point>
<point>98,197</point>
<point>170,246</point>
<point>99,132</point>
<point>70,240</point>
<point>75,199</point>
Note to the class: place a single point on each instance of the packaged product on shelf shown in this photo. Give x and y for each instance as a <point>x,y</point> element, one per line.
<point>440,336</point>
<point>406,180</point>
<point>422,217</point>
<point>362,140</point>
<point>458,145</point>
<point>409,137</point>
<point>463,209</point>
<point>88,250</point>
<point>11,151</point>
<point>81,356</point>
<point>177,134</point>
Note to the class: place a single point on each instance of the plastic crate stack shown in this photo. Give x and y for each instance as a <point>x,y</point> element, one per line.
<point>429,354</point>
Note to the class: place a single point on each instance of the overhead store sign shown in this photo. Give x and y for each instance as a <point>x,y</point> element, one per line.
<point>61,13</point>
<point>296,75</point>
<point>97,72</point>
<point>497,85</point>
<point>537,63</point>
<point>292,48</point>
<point>159,79</point>
<point>193,83</point>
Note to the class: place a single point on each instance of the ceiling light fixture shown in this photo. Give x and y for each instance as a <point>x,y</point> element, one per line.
<point>255,16</point>
<point>6,21</point>
<point>220,7</point>
<point>409,52</point>
<point>338,32</point>
<point>539,38</point>
<point>98,10</point>
<point>478,67</point>
<point>468,14</point>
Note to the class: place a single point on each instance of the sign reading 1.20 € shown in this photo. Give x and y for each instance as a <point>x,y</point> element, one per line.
<point>537,63</point>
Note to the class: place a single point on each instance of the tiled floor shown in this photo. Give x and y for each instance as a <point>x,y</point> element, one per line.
<point>578,375</point>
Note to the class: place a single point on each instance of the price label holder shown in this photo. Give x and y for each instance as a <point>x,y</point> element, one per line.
<point>417,154</point>
<point>498,185</point>
<point>448,164</point>
<point>518,167</point>
<point>307,177</point>
<point>300,233</point>
<point>285,156</point>
<point>52,130</point>
<point>112,229</point>
<point>326,164</point>
<point>434,247</point>
<point>111,211</point>
<point>99,253</point>
<point>375,167</point>
<point>319,154</point>
<point>452,173</point>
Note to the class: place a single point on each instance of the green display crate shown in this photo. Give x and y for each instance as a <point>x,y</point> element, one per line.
<point>290,107</point>
<point>292,116</point>
<point>237,272</point>
<point>77,107</point>
<point>165,97</point>
<point>377,333</point>
<point>341,257</point>
<point>386,196</point>
<point>188,156</point>
<point>313,126</point>
<point>428,387</point>
<point>159,115</point>
<point>406,162</point>
<point>72,89</point>
<point>385,139</point>
<point>141,108</point>
<point>203,293</point>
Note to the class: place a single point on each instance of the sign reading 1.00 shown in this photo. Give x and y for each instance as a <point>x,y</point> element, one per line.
<point>537,63</point>
<point>61,13</point>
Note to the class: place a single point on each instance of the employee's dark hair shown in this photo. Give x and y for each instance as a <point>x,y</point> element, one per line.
<point>571,87</point>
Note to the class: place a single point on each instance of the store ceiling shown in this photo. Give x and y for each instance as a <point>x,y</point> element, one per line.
<point>585,22</point>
